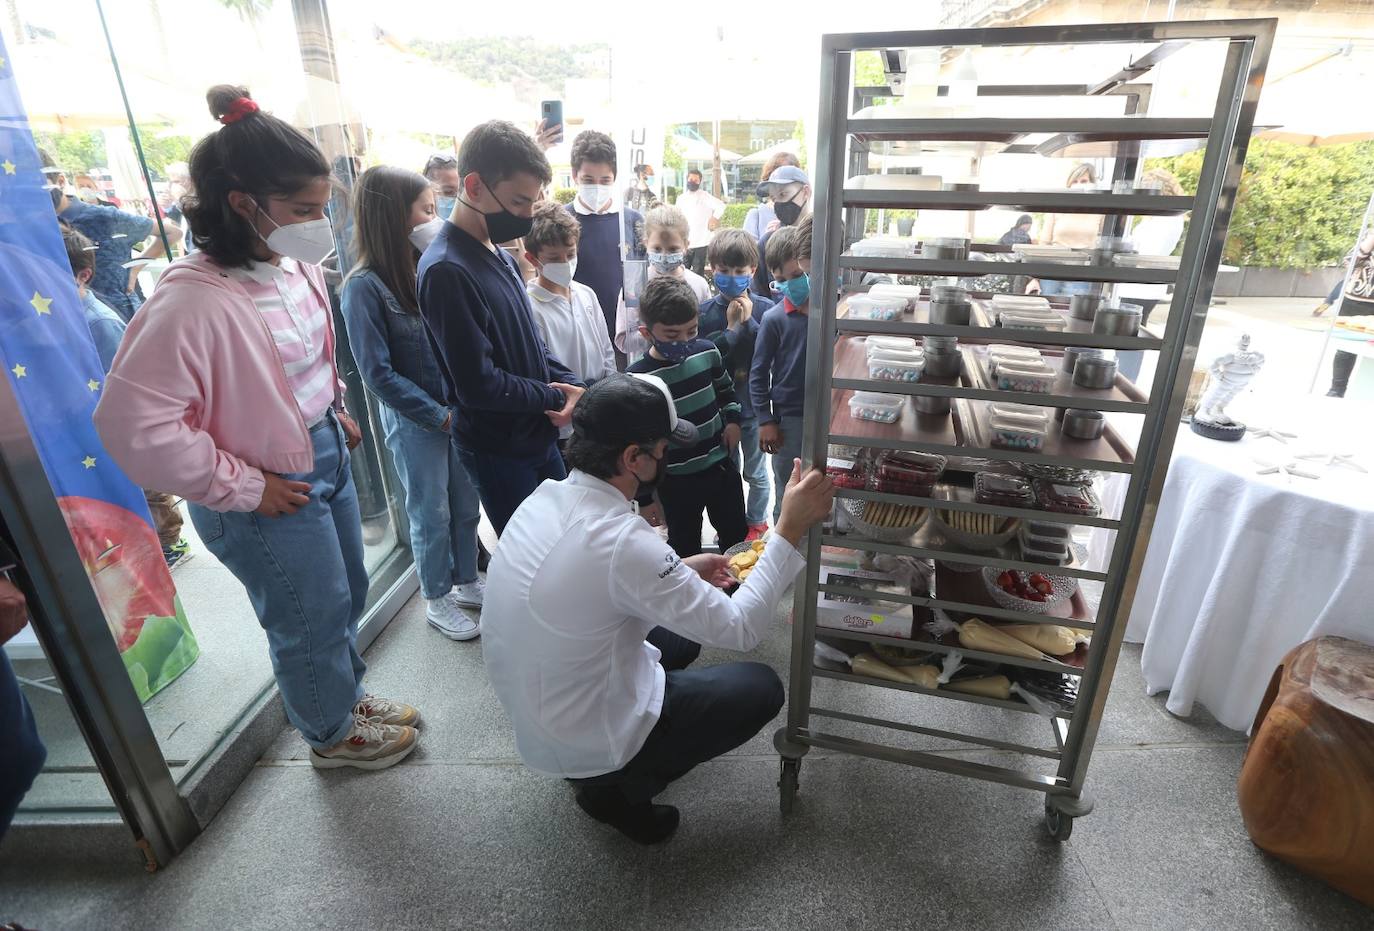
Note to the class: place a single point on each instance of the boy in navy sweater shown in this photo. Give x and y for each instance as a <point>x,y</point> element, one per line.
<point>701,476</point>
<point>599,265</point>
<point>731,321</point>
<point>777,380</point>
<point>509,395</point>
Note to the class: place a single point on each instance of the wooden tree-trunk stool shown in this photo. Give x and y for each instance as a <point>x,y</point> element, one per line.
<point>1307,785</point>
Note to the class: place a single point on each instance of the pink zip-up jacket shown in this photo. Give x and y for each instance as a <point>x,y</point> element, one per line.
<point>196,402</point>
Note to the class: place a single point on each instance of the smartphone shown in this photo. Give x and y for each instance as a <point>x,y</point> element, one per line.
<point>551,112</point>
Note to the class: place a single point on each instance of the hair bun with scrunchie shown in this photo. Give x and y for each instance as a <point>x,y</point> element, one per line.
<point>230,103</point>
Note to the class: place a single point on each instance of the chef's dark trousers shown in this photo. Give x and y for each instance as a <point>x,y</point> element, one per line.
<point>21,752</point>
<point>706,712</point>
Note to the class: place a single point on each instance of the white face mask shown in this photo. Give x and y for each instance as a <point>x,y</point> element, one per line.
<point>594,197</point>
<point>310,242</point>
<point>560,273</point>
<point>422,235</point>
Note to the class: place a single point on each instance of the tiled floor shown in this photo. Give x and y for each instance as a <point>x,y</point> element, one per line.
<point>462,836</point>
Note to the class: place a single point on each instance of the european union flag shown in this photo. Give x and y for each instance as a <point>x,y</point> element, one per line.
<point>55,373</point>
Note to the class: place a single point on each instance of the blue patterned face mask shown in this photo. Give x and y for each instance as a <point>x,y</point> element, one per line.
<point>665,262</point>
<point>674,352</point>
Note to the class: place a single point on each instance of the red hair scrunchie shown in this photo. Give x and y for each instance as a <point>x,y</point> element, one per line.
<point>239,109</point>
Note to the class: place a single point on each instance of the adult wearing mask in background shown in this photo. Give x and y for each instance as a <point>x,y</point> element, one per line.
<point>115,232</point>
<point>441,171</point>
<point>789,189</point>
<point>761,220</point>
<point>640,194</point>
<point>1075,230</point>
<point>592,620</point>
<point>599,263</point>
<point>703,211</point>
<point>1151,236</point>
<point>508,393</point>
<point>393,217</point>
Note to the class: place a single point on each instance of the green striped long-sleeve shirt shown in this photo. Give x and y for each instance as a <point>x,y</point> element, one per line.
<point>704,393</point>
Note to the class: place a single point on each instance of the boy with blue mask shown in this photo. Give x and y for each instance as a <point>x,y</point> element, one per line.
<point>700,476</point>
<point>777,379</point>
<point>731,321</point>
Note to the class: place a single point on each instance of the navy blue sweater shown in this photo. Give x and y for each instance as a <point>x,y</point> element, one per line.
<point>736,346</point>
<point>496,368</point>
<point>599,266</point>
<point>777,379</point>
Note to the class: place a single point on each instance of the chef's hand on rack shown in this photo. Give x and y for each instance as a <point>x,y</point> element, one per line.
<point>731,434</point>
<point>807,501</point>
<point>571,393</point>
<point>770,437</point>
<point>712,567</point>
<point>14,610</point>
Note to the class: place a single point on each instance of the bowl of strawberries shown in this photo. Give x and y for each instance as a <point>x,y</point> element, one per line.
<point>1029,592</point>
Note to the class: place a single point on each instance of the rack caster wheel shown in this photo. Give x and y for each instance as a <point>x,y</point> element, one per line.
<point>788,773</point>
<point>1058,824</point>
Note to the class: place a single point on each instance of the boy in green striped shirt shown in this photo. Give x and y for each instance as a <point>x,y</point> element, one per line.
<point>699,477</point>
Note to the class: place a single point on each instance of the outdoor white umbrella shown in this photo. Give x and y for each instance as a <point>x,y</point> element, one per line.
<point>761,157</point>
<point>699,150</point>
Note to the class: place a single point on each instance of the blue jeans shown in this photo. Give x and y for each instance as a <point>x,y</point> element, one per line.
<point>504,483</point>
<point>441,503</point>
<point>20,749</point>
<point>755,471</point>
<point>782,459</point>
<point>306,579</point>
<point>1049,286</point>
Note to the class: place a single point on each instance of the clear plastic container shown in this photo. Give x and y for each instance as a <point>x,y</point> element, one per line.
<point>879,408</point>
<point>907,473</point>
<point>1049,553</point>
<point>864,307</point>
<point>885,366</point>
<point>1016,426</point>
<point>846,472</point>
<point>890,344</point>
<point>1009,491</point>
<point>1019,302</point>
<point>1055,533</point>
<point>1067,499</point>
<point>1014,377</point>
<point>1023,322</point>
<point>908,292</point>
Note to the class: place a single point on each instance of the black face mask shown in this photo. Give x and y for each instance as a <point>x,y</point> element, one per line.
<point>502,225</point>
<point>788,212</point>
<point>645,487</point>
<point>693,185</point>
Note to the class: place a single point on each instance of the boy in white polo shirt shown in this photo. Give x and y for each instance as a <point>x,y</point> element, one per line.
<point>567,312</point>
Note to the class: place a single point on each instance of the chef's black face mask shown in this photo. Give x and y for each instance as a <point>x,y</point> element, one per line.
<point>648,485</point>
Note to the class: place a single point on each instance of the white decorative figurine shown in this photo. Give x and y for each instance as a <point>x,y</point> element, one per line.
<point>1230,374</point>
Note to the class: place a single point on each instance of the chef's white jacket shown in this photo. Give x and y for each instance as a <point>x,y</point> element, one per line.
<point>578,581</point>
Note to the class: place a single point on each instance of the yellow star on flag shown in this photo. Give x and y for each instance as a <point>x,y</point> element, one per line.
<point>19,371</point>
<point>40,304</point>
<point>2,62</point>
<point>93,385</point>
<point>89,462</point>
<point>8,165</point>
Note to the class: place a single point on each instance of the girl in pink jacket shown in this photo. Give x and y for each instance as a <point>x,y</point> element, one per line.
<point>224,391</point>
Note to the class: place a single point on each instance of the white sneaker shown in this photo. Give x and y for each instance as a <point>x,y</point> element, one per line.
<point>469,594</point>
<point>369,745</point>
<point>444,616</point>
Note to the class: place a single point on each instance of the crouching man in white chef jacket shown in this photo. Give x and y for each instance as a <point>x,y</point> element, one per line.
<point>591,620</point>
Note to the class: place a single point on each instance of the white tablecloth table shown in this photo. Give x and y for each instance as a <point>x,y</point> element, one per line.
<point>1243,567</point>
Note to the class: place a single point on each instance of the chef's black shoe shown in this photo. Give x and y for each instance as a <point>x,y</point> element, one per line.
<point>644,823</point>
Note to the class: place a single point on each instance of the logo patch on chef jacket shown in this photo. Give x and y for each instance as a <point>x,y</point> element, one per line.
<point>672,561</point>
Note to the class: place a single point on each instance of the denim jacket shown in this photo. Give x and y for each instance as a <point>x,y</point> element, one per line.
<point>395,357</point>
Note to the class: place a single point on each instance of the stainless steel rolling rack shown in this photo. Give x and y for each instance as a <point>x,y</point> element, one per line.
<point>844,141</point>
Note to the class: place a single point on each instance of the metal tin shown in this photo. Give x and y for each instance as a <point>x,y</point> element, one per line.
<point>1083,424</point>
<point>1073,353</point>
<point>1117,320</point>
<point>1094,372</point>
<point>951,313</point>
<point>942,363</point>
<point>948,292</point>
<point>937,343</point>
<point>931,404</point>
<point>1084,306</point>
<point>933,250</point>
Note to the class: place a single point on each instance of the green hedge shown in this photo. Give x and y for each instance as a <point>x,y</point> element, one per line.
<point>1298,206</point>
<point>564,195</point>
<point>734,215</point>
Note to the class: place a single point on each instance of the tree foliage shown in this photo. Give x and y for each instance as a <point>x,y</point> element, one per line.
<point>1297,207</point>
<point>495,60</point>
<point>82,151</point>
